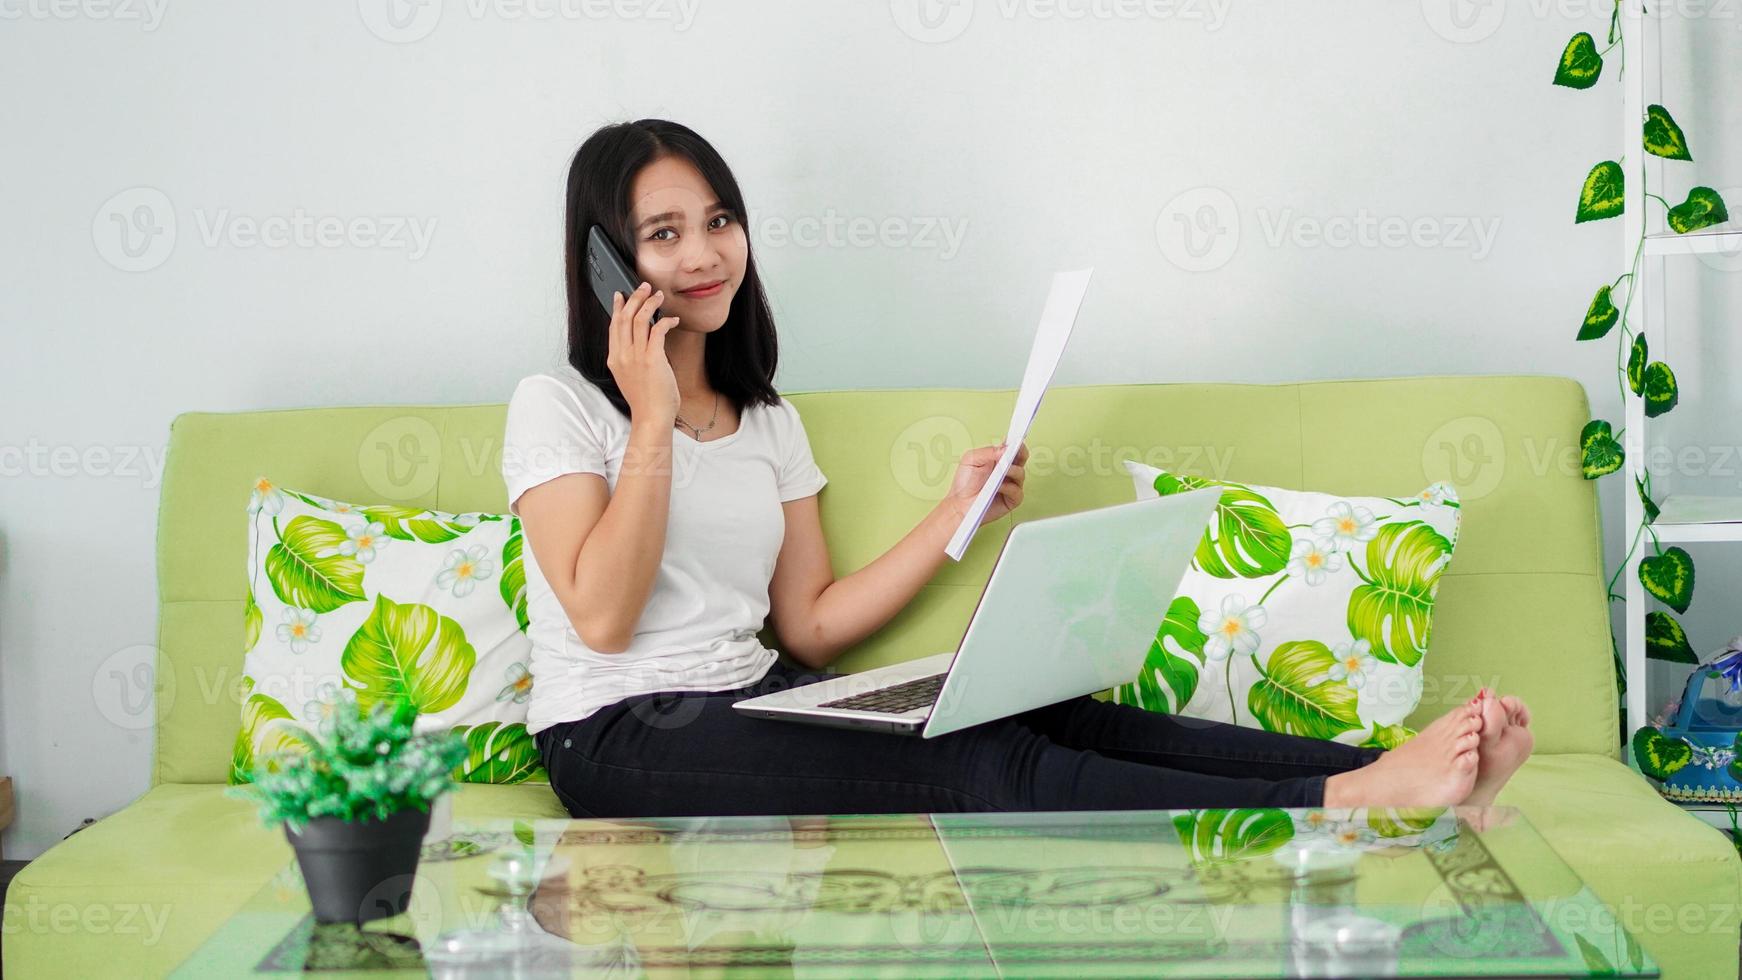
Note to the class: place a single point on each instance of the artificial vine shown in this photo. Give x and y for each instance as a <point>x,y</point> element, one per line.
<point>1667,574</point>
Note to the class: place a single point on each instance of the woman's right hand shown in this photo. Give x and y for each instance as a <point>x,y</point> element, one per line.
<point>636,355</point>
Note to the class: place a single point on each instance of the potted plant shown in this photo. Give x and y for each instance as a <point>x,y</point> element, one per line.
<point>354,801</point>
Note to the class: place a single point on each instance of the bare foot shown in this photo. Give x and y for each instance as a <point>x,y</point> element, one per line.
<point>1435,768</point>
<point>1516,711</point>
<point>1505,745</point>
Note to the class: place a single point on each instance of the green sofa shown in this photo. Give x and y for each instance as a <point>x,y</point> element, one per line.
<point>1522,608</point>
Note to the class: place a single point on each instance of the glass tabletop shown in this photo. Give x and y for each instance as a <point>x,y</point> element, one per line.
<point>1442,892</point>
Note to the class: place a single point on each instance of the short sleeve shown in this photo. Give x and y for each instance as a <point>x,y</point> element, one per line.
<point>547,435</point>
<point>799,475</point>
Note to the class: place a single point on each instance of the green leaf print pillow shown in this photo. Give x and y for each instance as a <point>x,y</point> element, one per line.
<point>389,601</point>
<point>1301,612</point>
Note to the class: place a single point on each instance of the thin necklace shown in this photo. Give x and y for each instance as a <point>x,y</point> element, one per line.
<point>682,421</point>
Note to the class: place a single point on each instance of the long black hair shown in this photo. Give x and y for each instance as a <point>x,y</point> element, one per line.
<point>740,356</point>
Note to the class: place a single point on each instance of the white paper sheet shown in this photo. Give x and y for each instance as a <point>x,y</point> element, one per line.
<point>1056,321</point>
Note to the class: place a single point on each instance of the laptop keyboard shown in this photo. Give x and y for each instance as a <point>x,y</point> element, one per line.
<point>896,698</point>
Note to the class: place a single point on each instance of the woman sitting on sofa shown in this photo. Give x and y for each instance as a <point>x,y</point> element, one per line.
<point>669,498</point>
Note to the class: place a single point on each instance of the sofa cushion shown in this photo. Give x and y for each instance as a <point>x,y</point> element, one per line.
<point>1301,612</point>
<point>391,602</point>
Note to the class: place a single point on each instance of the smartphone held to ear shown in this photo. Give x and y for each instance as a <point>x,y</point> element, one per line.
<point>608,272</point>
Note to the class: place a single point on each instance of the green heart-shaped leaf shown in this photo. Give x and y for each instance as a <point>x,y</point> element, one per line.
<point>1393,609</point>
<point>1658,386</point>
<point>1601,453</point>
<point>1636,359</point>
<point>1169,677</point>
<point>1581,63</point>
<point>1669,577</point>
<point>1601,197</point>
<point>1651,510</point>
<point>1662,136</point>
<point>1665,640</point>
<point>1600,316</point>
<point>306,569</point>
<point>1292,694</point>
<point>1703,208</point>
<point>1660,756</point>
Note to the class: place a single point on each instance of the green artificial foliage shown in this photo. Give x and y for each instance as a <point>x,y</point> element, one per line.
<point>1668,575</point>
<point>363,763</point>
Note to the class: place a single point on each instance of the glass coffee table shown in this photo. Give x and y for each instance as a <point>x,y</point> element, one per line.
<point>1186,893</point>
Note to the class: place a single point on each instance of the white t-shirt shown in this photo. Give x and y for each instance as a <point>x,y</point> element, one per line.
<point>722,536</point>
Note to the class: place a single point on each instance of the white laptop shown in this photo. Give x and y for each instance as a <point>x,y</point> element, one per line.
<point>1071,608</point>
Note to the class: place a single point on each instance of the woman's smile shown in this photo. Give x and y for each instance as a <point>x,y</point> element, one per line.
<point>705,290</point>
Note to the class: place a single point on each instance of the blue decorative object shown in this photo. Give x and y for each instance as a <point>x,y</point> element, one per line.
<point>1709,721</point>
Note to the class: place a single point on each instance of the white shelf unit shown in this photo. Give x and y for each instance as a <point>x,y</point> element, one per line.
<point>1682,518</point>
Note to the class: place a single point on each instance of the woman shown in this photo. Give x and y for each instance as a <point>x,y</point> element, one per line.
<point>668,498</point>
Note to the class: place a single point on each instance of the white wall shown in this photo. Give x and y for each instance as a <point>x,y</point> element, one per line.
<point>1044,141</point>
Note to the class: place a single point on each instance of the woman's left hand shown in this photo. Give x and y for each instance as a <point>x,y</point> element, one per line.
<point>976,466</point>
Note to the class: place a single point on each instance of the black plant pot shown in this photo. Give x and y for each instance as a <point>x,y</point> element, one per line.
<point>358,872</point>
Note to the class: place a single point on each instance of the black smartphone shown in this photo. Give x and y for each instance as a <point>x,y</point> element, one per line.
<point>608,273</point>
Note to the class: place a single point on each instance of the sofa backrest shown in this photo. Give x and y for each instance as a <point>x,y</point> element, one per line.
<point>1522,606</point>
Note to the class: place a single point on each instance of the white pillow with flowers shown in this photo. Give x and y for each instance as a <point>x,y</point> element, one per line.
<point>390,602</point>
<point>1301,612</point>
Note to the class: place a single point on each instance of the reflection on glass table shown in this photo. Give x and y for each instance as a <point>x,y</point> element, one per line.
<point>1201,893</point>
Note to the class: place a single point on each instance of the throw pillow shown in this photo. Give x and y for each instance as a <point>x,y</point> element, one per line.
<point>391,602</point>
<point>1301,612</point>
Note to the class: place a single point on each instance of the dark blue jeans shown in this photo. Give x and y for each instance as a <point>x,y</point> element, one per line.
<point>689,753</point>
